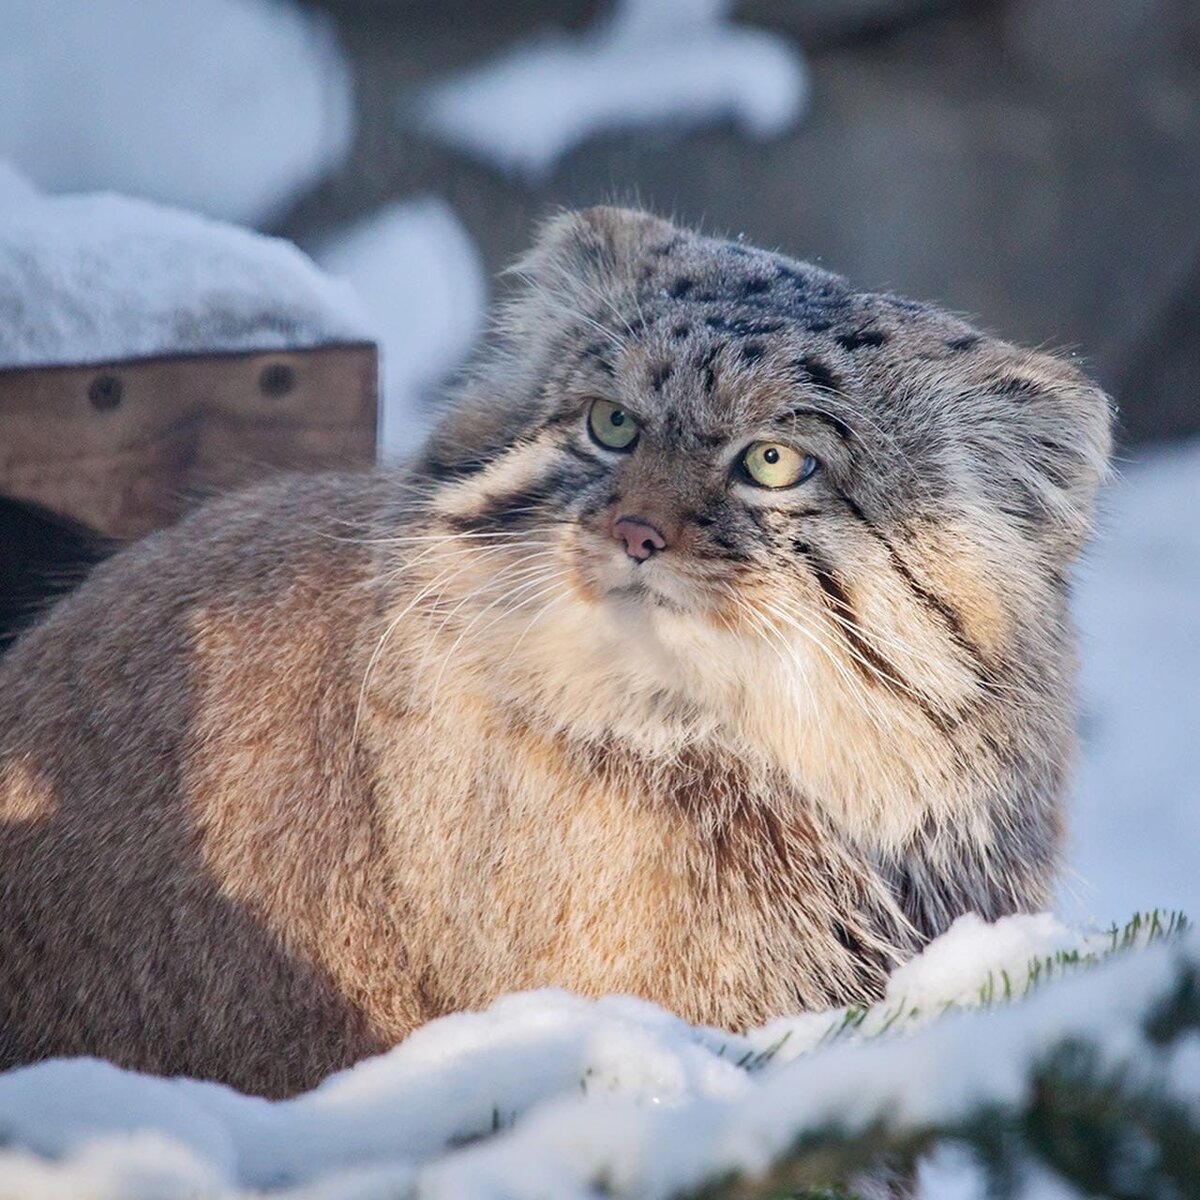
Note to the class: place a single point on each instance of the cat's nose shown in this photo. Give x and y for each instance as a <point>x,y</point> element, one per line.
<point>640,539</point>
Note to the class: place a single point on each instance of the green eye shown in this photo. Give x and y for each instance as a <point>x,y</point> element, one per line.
<point>772,465</point>
<point>611,426</point>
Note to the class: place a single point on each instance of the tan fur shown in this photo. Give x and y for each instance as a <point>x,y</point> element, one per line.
<point>337,756</point>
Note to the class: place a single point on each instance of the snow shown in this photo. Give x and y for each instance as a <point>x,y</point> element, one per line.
<point>14,187</point>
<point>580,1090</point>
<point>1136,813</point>
<point>951,1173</point>
<point>951,970</point>
<point>420,277</point>
<point>230,107</point>
<point>92,278</point>
<point>651,61</point>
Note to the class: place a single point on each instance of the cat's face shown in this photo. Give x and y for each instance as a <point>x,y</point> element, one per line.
<point>743,471</point>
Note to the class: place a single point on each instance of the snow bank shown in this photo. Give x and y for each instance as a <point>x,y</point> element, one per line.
<point>230,107</point>
<point>1135,819</point>
<point>14,188</point>
<point>653,61</point>
<point>98,277</point>
<point>576,1091</point>
<point>419,276</point>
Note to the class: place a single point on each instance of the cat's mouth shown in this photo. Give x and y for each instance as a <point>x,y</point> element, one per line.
<point>641,589</point>
<point>654,584</point>
<point>663,582</point>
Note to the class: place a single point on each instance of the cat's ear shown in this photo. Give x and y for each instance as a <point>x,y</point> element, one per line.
<point>594,247</point>
<point>1048,433</point>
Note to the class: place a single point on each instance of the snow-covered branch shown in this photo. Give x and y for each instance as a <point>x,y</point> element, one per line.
<point>1008,1053</point>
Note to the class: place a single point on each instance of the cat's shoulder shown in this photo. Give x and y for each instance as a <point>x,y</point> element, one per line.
<point>305,545</point>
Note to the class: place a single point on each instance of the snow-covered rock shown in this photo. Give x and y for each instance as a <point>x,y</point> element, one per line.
<point>228,107</point>
<point>651,61</point>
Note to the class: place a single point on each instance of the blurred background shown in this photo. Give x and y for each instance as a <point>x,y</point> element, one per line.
<point>1033,164</point>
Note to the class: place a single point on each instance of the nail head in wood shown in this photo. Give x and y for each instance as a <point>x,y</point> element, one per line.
<point>105,392</point>
<point>276,379</point>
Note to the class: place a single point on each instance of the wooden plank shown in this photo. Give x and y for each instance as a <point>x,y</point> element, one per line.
<point>125,447</point>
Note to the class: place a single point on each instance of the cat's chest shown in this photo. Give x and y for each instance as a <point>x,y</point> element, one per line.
<point>552,863</point>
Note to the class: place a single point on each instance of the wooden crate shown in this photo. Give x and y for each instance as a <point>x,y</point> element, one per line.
<point>125,447</point>
<point>95,455</point>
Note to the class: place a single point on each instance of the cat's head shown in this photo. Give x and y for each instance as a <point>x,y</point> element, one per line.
<point>723,490</point>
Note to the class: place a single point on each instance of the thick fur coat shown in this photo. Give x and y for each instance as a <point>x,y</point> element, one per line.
<point>338,755</point>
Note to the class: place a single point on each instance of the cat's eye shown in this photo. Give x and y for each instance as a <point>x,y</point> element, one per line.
<point>774,465</point>
<point>611,426</point>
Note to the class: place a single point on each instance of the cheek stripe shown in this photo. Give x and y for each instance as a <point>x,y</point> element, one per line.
<point>581,455</point>
<point>870,664</point>
<point>453,472</point>
<point>941,608</point>
<point>526,505</point>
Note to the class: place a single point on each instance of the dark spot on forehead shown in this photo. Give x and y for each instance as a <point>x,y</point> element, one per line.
<point>817,373</point>
<point>704,365</point>
<point>596,353</point>
<point>680,288</point>
<point>862,337</point>
<point>659,374</point>
<point>742,326</point>
<point>818,326</point>
<point>681,331</point>
<point>1017,388</point>
<point>959,344</point>
<point>752,351</point>
<point>754,287</point>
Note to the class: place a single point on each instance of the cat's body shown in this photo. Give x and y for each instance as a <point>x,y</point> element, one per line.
<point>339,755</point>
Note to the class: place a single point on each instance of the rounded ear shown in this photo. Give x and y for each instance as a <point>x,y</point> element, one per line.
<point>598,246</point>
<point>1047,438</point>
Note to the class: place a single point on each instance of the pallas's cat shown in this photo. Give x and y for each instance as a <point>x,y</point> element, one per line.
<point>715,649</point>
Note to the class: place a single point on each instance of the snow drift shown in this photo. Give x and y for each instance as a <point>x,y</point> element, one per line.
<point>91,278</point>
<point>547,1094</point>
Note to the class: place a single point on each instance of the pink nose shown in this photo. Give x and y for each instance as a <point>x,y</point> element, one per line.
<point>640,538</point>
